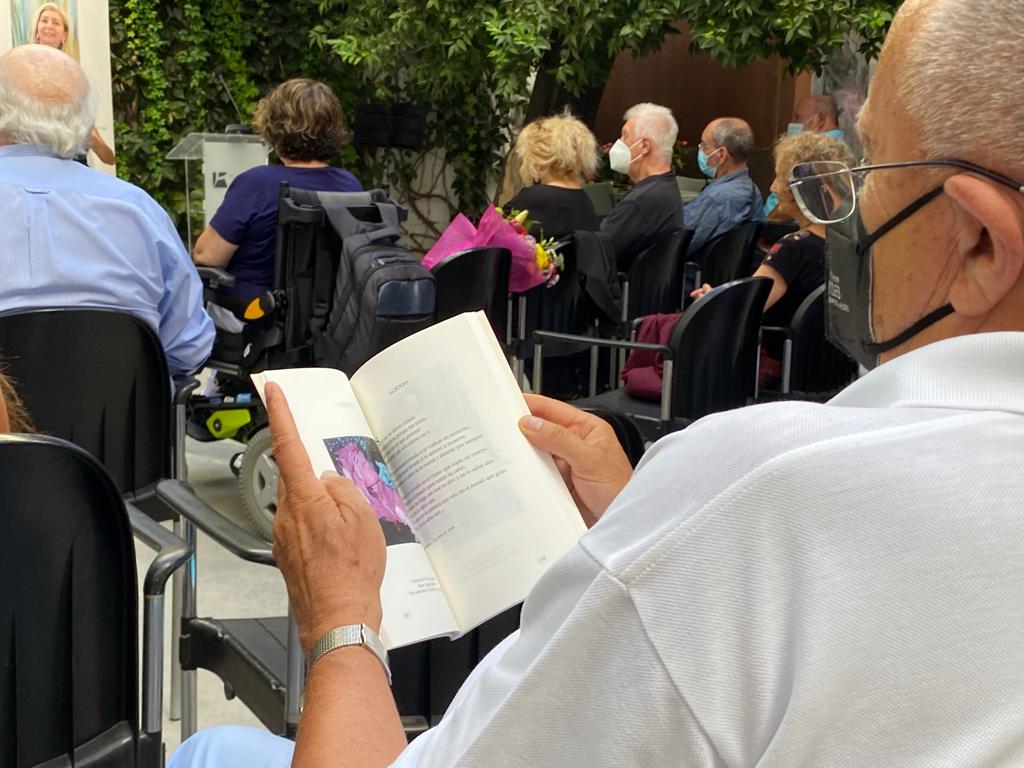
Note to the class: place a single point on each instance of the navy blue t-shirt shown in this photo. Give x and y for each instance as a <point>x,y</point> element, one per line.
<point>248,218</point>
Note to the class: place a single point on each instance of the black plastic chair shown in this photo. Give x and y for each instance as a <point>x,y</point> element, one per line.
<point>710,360</point>
<point>810,363</point>
<point>99,378</point>
<point>69,694</point>
<point>472,280</point>
<point>655,280</point>
<point>728,257</point>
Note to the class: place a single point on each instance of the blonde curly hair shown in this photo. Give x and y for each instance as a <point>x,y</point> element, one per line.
<point>805,147</point>
<point>560,146</point>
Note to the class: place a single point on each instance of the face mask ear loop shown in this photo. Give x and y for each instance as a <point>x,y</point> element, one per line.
<point>877,348</point>
<point>896,220</point>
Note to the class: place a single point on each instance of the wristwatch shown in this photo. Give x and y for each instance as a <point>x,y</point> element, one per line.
<point>351,634</point>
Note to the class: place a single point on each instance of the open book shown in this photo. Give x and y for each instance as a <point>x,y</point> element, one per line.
<point>428,431</point>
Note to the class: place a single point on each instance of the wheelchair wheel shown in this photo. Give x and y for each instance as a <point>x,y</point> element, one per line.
<point>257,480</point>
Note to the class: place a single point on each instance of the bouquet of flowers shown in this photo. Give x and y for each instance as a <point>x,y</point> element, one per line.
<point>533,263</point>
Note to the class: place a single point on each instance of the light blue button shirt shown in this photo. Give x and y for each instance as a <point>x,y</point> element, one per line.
<point>722,205</point>
<point>74,237</point>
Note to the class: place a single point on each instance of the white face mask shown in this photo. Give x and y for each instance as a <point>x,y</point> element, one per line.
<point>620,157</point>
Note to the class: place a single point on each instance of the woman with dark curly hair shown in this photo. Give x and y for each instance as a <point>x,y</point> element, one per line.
<point>301,120</point>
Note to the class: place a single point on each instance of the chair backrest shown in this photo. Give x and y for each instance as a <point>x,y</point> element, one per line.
<point>602,195</point>
<point>98,378</point>
<point>472,280</point>
<point>656,277</point>
<point>68,610</point>
<point>715,346</point>
<point>689,184</point>
<point>729,256</point>
<point>817,365</point>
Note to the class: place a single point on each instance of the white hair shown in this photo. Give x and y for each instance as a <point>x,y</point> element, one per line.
<point>967,105</point>
<point>58,126</point>
<point>656,124</point>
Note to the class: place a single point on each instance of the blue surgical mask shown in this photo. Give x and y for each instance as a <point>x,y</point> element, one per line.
<point>771,203</point>
<point>705,166</point>
<point>794,129</point>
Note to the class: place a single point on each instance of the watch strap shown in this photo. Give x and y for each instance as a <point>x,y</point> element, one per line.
<point>351,634</point>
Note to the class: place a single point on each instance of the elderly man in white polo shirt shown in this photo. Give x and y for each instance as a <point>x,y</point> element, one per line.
<point>787,585</point>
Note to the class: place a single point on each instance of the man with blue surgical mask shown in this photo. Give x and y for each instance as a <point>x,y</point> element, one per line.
<point>818,114</point>
<point>651,210</point>
<point>732,198</point>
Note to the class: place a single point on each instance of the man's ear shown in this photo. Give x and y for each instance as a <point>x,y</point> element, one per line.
<point>989,237</point>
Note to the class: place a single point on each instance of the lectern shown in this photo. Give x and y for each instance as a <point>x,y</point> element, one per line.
<point>223,156</point>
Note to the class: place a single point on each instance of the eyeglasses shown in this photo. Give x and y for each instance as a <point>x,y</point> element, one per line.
<point>826,191</point>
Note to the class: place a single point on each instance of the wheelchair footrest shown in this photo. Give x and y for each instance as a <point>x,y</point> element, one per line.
<point>250,657</point>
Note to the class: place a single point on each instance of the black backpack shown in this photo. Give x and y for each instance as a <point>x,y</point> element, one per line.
<point>381,294</point>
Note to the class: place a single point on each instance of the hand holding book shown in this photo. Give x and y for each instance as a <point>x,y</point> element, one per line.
<point>327,541</point>
<point>472,508</point>
<point>585,449</point>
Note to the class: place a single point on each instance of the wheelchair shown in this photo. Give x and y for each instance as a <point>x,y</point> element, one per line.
<point>279,330</point>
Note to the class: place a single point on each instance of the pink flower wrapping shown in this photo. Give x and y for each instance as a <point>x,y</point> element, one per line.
<point>492,232</point>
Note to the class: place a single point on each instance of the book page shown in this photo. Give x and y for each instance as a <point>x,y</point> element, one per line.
<point>492,512</point>
<point>336,437</point>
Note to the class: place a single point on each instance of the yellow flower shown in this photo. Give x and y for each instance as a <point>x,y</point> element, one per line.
<point>521,217</point>
<point>542,257</point>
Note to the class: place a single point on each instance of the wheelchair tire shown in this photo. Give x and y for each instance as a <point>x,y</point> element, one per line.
<point>257,481</point>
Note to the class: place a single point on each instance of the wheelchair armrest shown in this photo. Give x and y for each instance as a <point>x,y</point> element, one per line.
<point>214,277</point>
<point>240,542</point>
<point>172,551</point>
<point>184,386</point>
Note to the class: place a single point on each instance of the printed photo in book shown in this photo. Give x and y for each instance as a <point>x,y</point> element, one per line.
<point>428,432</point>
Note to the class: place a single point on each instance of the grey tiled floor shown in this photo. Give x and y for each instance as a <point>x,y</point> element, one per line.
<point>227,587</point>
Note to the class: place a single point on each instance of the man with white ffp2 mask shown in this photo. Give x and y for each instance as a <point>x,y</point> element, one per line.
<point>651,210</point>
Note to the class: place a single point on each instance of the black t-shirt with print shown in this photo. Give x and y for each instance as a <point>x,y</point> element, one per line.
<point>800,259</point>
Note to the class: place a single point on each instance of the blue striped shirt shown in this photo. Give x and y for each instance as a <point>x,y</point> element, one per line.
<point>74,237</point>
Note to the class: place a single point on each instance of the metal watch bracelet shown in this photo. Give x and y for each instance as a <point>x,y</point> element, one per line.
<point>350,634</point>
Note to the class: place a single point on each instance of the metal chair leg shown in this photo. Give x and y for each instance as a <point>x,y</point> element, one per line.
<point>188,611</point>
<point>176,587</point>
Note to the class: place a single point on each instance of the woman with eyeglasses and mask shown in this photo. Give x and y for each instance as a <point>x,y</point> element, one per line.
<point>796,263</point>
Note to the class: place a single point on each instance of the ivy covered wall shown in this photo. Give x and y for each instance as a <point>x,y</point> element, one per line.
<point>164,54</point>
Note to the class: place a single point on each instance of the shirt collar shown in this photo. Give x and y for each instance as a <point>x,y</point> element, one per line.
<point>979,372</point>
<point>732,176</point>
<point>25,150</point>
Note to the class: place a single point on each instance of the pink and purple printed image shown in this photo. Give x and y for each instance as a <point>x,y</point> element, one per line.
<point>359,459</point>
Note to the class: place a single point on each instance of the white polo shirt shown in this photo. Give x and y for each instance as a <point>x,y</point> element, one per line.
<point>786,585</point>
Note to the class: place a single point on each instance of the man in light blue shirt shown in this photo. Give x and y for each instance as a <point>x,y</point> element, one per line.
<point>731,198</point>
<point>74,237</point>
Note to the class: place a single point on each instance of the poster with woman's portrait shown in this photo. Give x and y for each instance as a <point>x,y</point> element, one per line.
<point>80,28</point>
<point>47,23</point>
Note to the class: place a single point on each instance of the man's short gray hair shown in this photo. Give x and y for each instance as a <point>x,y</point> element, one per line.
<point>962,76</point>
<point>59,126</point>
<point>735,135</point>
<point>656,124</point>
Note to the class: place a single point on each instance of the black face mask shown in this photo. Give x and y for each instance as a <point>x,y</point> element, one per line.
<point>848,267</point>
